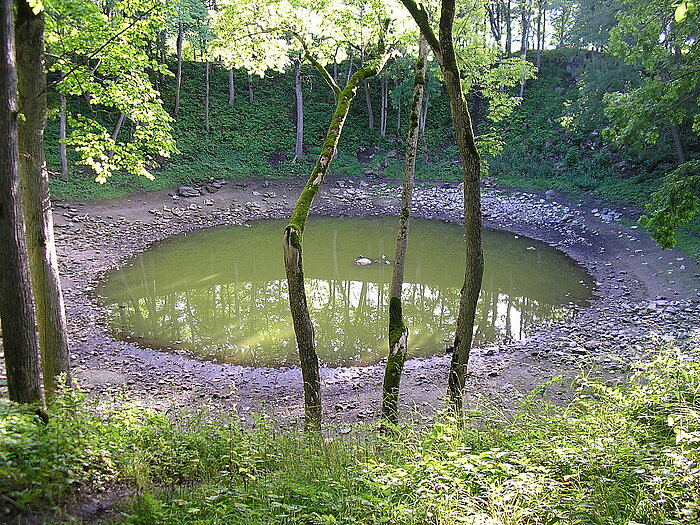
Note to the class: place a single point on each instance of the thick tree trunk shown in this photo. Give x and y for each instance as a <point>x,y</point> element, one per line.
<point>398,332</point>
<point>62,138</point>
<point>250,88</point>
<point>299,145</point>
<point>19,339</point>
<point>678,142</point>
<point>34,182</point>
<point>178,71</point>
<point>370,112</point>
<point>231,89</point>
<point>206,96</point>
<point>293,238</point>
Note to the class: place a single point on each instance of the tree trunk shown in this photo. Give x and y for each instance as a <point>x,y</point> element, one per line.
<point>540,35</point>
<point>509,29</point>
<point>347,77</point>
<point>299,145</point>
<point>443,48</point>
<point>178,71</point>
<point>118,126</point>
<point>678,142</point>
<point>423,120</point>
<point>34,182</point>
<point>20,345</point>
<point>385,107</point>
<point>398,332</point>
<point>231,89</point>
<point>293,238</point>
<point>62,138</point>
<point>250,88</point>
<point>370,113</point>
<point>398,110</point>
<point>206,96</point>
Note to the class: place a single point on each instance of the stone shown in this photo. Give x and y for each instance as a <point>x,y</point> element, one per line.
<point>363,261</point>
<point>188,191</point>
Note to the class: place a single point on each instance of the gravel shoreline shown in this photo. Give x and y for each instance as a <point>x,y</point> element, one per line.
<point>644,296</point>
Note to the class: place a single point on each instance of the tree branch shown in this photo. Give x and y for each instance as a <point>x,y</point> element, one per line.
<point>420,15</point>
<point>319,67</point>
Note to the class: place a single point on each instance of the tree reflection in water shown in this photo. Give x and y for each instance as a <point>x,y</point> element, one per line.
<point>221,293</point>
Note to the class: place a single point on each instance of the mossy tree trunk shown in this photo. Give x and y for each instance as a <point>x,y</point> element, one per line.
<point>398,332</point>
<point>443,49</point>
<point>36,202</point>
<point>20,344</point>
<point>293,240</point>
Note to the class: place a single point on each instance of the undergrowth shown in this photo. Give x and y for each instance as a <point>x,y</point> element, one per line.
<point>622,454</point>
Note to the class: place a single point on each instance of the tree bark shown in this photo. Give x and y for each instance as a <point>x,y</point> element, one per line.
<point>385,107</point>
<point>178,72</point>
<point>231,89</point>
<point>398,332</point>
<point>63,153</point>
<point>20,344</point>
<point>443,49</point>
<point>370,113</point>
<point>678,142</point>
<point>118,126</point>
<point>299,145</point>
<point>509,29</point>
<point>206,96</point>
<point>423,119</point>
<point>293,239</point>
<point>36,202</point>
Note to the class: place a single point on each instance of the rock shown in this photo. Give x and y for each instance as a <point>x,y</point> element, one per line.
<point>188,191</point>
<point>363,261</point>
<point>550,194</point>
<point>391,154</point>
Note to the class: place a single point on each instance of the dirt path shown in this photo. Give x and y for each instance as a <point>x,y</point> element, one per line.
<point>644,295</point>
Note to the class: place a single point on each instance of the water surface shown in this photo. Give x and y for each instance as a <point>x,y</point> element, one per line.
<point>222,293</point>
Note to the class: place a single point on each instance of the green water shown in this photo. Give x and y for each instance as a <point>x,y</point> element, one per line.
<point>221,293</point>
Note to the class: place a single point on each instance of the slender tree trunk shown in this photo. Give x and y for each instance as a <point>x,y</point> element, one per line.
<point>398,332</point>
<point>293,237</point>
<point>509,29</point>
<point>540,35</point>
<point>423,120</point>
<point>443,48</point>
<point>250,88</point>
<point>347,77</point>
<point>677,140</point>
<point>34,182</point>
<point>370,112</point>
<point>62,138</point>
<point>178,71</point>
<point>206,96</point>
<point>385,107</point>
<point>398,110</point>
<point>231,88</point>
<point>118,127</point>
<point>20,344</point>
<point>299,146</point>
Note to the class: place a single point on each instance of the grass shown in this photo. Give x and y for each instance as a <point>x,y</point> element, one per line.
<point>616,455</point>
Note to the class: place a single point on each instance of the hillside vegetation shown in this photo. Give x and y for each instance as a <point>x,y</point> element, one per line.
<point>554,139</point>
